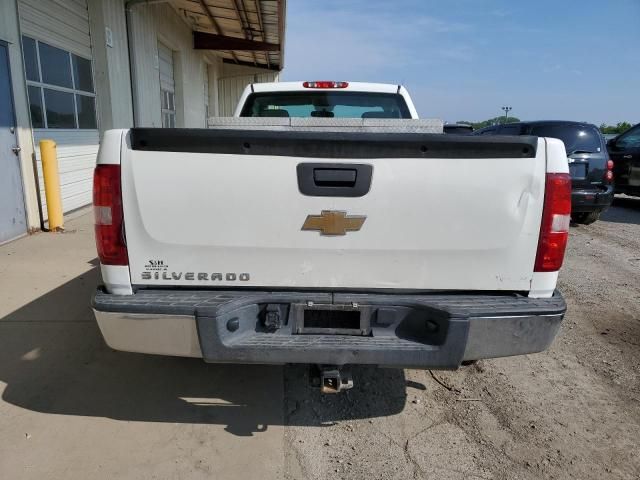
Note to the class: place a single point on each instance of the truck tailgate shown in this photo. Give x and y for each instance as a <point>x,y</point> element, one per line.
<point>225,208</point>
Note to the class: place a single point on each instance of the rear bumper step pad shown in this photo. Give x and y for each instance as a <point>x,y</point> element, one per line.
<point>420,331</point>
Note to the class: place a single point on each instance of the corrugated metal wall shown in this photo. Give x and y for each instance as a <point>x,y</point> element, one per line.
<point>111,63</point>
<point>160,23</point>
<point>230,89</point>
<point>64,24</point>
<point>77,150</point>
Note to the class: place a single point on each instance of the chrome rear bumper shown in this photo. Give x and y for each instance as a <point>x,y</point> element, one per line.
<point>413,331</point>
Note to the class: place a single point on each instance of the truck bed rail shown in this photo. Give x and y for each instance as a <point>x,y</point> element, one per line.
<point>378,125</point>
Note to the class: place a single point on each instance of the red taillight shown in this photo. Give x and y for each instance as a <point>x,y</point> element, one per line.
<point>554,230</point>
<point>107,206</point>
<point>325,84</point>
<point>608,175</point>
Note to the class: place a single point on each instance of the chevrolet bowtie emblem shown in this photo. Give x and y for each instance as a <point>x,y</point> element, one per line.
<point>332,222</point>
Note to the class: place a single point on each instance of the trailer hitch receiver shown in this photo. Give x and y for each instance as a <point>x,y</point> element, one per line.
<point>335,379</point>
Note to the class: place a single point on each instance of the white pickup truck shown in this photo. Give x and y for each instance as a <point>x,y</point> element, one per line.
<point>326,224</point>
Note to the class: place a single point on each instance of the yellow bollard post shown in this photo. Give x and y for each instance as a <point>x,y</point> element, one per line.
<point>49,158</point>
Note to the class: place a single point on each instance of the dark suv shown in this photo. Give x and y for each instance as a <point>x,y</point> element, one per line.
<point>624,150</point>
<point>592,189</point>
<point>458,128</point>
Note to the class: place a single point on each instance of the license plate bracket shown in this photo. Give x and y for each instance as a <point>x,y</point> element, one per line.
<point>329,319</point>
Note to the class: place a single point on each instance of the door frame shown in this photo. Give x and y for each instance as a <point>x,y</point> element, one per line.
<point>6,45</point>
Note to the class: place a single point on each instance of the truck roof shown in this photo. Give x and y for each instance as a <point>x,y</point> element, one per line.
<point>352,86</point>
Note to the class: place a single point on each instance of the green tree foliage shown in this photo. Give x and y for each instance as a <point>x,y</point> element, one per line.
<point>619,128</point>
<point>491,121</point>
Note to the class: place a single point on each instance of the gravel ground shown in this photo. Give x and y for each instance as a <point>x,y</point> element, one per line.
<point>571,412</point>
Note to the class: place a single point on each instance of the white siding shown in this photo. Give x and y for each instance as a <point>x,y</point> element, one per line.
<point>64,24</point>
<point>152,24</point>
<point>77,150</point>
<point>111,63</point>
<point>215,70</point>
<point>233,82</point>
<point>72,26</point>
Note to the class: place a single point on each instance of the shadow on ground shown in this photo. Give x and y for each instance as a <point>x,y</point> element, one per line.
<point>623,210</point>
<point>377,392</point>
<point>53,360</point>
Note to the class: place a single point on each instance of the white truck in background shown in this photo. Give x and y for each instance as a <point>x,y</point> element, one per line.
<point>327,225</point>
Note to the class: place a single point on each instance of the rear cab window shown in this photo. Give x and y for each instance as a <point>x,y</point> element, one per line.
<point>577,138</point>
<point>323,104</point>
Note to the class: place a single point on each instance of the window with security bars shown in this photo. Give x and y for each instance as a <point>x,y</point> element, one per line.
<point>167,86</point>
<point>60,87</point>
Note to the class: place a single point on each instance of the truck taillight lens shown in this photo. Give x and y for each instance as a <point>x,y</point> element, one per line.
<point>325,84</point>
<point>556,216</point>
<point>109,221</point>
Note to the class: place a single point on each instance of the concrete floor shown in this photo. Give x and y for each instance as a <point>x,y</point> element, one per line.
<point>72,408</point>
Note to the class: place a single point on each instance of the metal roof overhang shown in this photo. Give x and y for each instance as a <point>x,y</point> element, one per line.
<point>243,32</point>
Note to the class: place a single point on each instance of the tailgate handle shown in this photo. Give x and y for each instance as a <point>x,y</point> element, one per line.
<point>334,177</point>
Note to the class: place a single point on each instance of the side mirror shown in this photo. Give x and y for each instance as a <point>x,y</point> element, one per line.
<point>611,143</point>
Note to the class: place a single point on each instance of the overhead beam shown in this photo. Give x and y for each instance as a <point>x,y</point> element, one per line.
<point>210,41</point>
<point>261,66</point>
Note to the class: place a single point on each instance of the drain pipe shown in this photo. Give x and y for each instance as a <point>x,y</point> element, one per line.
<point>128,10</point>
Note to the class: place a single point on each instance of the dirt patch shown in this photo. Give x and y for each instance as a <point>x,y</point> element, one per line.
<point>571,412</point>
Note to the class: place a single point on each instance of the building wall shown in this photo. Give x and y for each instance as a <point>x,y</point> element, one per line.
<point>160,23</point>
<point>151,24</point>
<point>234,80</point>
<point>97,29</point>
<point>214,71</point>
<point>77,151</point>
<point>64,24</point>
<point>111,63</point>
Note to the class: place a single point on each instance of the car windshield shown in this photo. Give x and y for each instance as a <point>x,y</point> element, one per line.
<point>326,105</point>
<point>576,138</point>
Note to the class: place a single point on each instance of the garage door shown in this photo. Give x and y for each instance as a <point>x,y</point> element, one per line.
<point>58,67</point>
